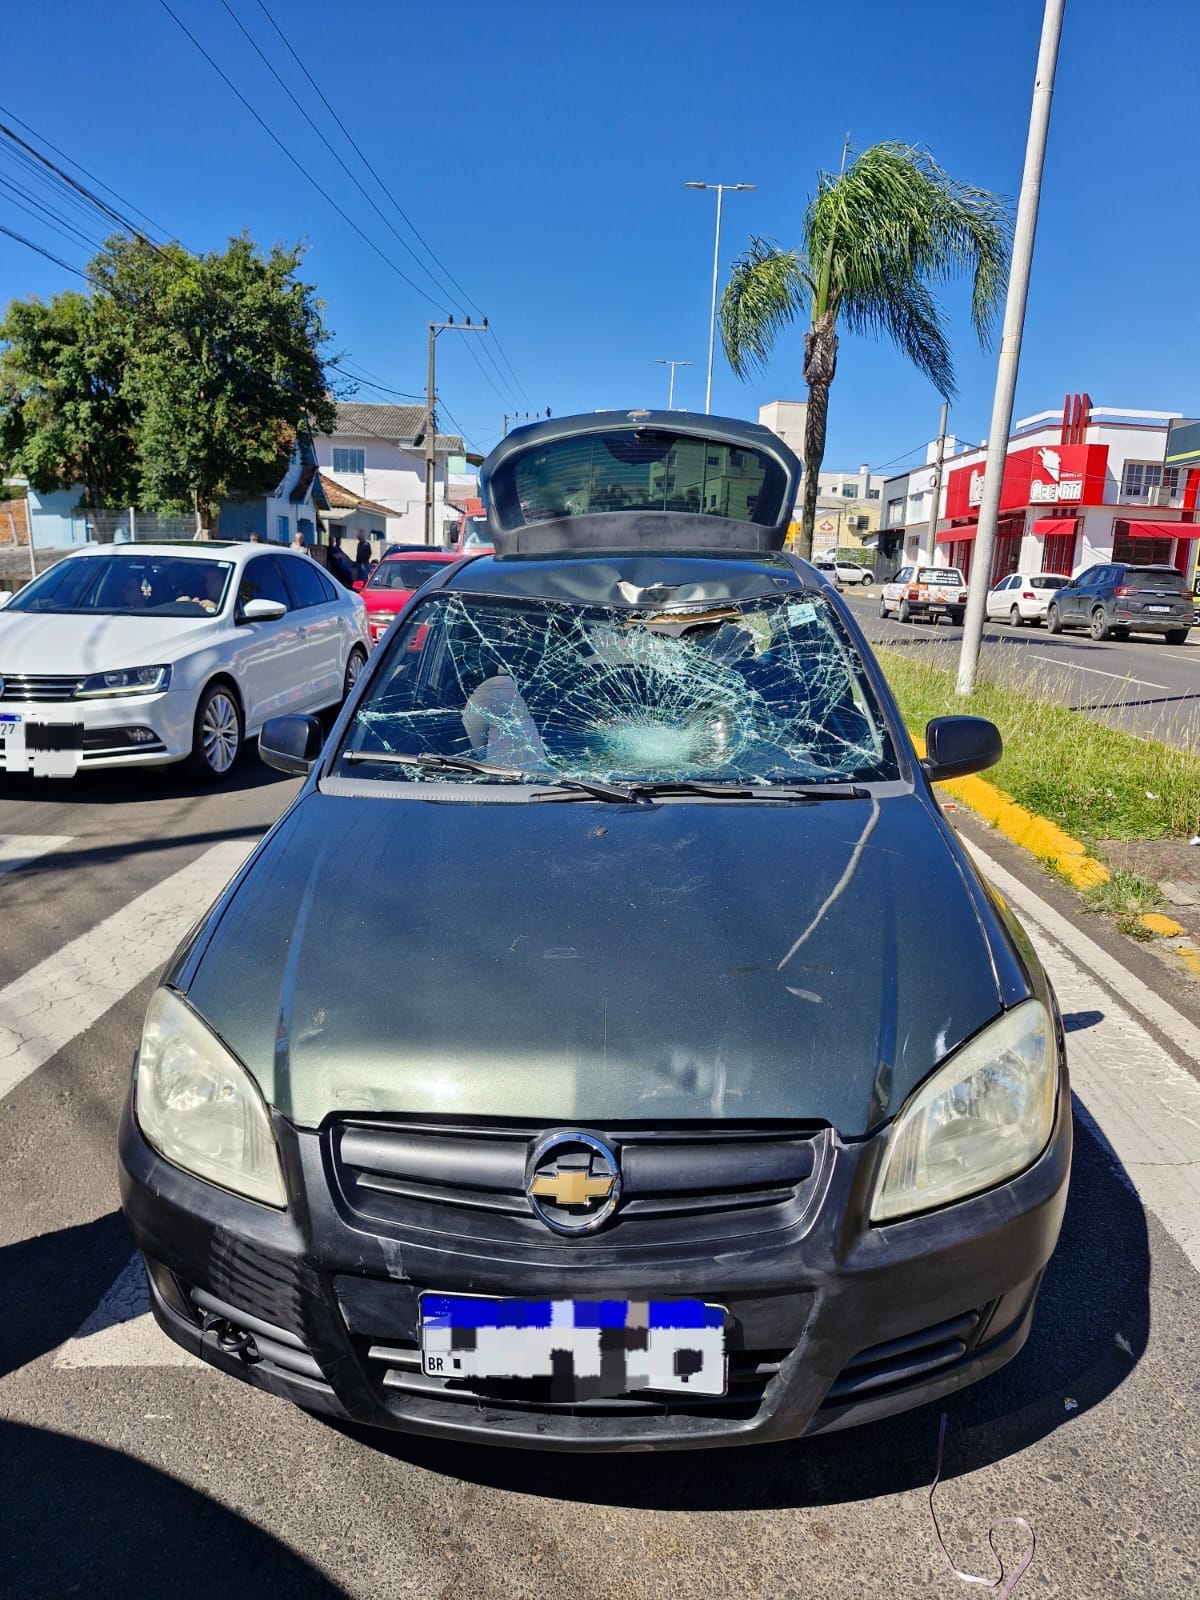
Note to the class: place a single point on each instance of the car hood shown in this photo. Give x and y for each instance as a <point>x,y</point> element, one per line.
<point>590,964</point>
<point>33,642</point>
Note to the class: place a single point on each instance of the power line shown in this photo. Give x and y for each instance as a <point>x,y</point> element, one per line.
<point>392,229</point>
<point>299,165</point>
<point>509,365</point>
<point>47,216</point>
<point>357,150</point>
<point>381,388</point>
<point>41,136</point>
<point>57,260</point>
<point>122,222</point>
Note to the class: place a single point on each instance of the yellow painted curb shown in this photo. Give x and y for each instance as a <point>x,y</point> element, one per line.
<point>1038,835</point>
<point>1167,927</point>
<point>1190,957</point>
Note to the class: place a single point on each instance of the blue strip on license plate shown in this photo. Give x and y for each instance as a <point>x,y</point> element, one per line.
<point>584,1348</point>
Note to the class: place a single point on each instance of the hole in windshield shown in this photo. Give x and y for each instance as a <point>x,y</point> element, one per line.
<point>758,692</point>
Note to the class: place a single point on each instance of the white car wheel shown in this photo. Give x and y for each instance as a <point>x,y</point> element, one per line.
<point>217,737</point>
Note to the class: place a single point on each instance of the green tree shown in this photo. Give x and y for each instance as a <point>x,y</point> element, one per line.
<point>64,417</point>
<point>224,367</point>
<point>877,237</point>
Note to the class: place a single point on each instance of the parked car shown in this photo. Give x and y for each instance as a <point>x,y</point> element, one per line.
<point>844,572</point>
<point>927,593</point>
<point>146,654</point>
<point>727,1136</point>
<point>393,582</point>
<point>474,536</point>
<point>1115,600</point>
<point>1023,597</point>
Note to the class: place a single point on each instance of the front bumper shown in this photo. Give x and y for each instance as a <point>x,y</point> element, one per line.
<point>833,1322</point>
<point>57,738</point>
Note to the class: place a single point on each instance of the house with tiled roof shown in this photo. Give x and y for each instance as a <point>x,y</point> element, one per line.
<point>366,478</point>
<point>377,453</point>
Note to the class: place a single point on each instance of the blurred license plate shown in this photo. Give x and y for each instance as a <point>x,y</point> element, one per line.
<point>586,1347</point>
<point>10,726</point>
<point>1158,608</point>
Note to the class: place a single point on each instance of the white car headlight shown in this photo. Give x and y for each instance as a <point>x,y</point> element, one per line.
<point>986,1114</point>
<point>200,1108</point>
<point>125,680</point>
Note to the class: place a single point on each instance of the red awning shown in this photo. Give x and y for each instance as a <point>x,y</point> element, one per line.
<point>1163,530</point>
<point>1047,527</point>
<point>959,535</point>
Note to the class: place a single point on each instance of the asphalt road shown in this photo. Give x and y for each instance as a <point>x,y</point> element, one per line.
<point>1144,685</point>
<point>126,1472</point>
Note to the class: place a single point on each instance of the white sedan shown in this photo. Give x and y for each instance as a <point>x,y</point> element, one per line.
<point>843,572</point>
<point>1023,597</point>
<point>144,654</point>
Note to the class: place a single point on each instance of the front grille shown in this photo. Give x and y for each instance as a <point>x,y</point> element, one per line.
<point>677,1185</point>
<point>395,1371</point>
<point>25,686</point>
<point>884,1368</point>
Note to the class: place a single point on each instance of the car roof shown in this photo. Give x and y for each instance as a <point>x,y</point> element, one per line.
<point>193,550</point>
<point>633,578</point>
<point>422,552</point>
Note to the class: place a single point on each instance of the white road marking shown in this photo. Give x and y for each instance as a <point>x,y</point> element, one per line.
<point>52,1003</point>
<point>19,849</point>
<point>1146,1105</point>
<point>122,1332</point>
<point>1121,677</point>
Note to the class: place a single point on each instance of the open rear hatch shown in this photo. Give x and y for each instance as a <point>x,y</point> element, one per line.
<point>630,480</point>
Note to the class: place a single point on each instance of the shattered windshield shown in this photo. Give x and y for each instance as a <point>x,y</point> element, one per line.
<point>763,691</point>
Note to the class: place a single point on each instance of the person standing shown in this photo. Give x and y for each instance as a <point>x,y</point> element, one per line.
<point>338,563</point>
<point>363,558</point>
<point>299,544</point>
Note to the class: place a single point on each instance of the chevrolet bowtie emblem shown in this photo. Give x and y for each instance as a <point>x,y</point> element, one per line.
<point>572,1188</point>
<point>573,1182</point>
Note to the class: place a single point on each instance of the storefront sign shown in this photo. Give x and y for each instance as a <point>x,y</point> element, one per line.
<point>1060,474</point>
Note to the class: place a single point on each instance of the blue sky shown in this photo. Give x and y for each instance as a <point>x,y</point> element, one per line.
<point>541,147</point>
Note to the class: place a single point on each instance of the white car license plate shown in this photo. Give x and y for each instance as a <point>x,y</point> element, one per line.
<point>1158,608</point>
<point>584,1347</point>
<point>46,749</point>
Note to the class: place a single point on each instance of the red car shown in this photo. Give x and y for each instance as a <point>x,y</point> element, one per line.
<point>396,577</point>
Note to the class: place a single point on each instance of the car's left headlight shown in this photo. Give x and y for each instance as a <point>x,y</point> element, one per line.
<point>986,1114</point>
<point>125,680</point>
<point>200,1108</point>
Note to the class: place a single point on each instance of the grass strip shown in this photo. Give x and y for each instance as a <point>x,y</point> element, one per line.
<point>1094,781</point>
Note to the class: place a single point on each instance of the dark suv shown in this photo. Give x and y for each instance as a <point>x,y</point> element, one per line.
<point>1119,599</point>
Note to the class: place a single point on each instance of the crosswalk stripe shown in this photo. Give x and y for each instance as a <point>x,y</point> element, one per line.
<point>19,849</point>
<point>122,1332</point>
<point>62,996</point>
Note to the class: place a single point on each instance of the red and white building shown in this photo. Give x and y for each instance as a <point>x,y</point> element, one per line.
<point>1082,487</point>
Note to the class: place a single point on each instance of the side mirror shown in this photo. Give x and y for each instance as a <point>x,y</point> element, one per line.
<point>955,746</point>
<point>359,585</point>
<point>291,744</point>
<point>261,611</point>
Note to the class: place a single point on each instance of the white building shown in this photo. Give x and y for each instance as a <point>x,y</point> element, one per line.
<point>377,453</point>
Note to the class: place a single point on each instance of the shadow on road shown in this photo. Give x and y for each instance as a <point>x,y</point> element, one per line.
<point>94,1522</point>
<point>50,1284</point>
<point>1096,1289</point>
<point>117,787</point>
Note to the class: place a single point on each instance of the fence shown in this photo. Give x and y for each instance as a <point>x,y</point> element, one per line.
<point>118,527</point>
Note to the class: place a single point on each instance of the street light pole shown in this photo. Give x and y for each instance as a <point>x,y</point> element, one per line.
<point>431,414</point>
<point>1010,343</point>
<point>712,319</point>
<point>660,362</point>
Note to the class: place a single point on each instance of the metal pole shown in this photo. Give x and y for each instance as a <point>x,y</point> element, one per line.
<point>430,437</point>
<point>1010,342</point>
<point>712,319</point>
<point>937,486</point>
<point>661,361</point>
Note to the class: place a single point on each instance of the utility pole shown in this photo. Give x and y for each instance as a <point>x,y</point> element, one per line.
<point>659,362</point>
<point>1010,343</point>
<point>431,413</point>
<point>937,485</point>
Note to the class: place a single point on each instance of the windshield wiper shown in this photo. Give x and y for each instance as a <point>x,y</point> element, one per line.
<point>433,762</point>
<point>765,791</point>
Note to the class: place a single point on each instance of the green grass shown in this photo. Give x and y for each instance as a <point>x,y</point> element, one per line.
<point>1095,781</point>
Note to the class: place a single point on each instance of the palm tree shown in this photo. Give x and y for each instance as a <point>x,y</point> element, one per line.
<point>877,235</point>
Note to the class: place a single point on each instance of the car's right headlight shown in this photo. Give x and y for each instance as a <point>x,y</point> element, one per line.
<point>985,1115</point>
<point>200,1108</point>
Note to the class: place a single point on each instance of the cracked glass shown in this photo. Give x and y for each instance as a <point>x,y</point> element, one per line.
<point>766,691</point>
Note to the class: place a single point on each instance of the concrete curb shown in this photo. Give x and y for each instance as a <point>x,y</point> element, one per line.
<point>1038,835</point>
<point>1047,841</point>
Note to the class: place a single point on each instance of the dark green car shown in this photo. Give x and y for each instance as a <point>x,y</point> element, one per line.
<point>655,1109</point>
